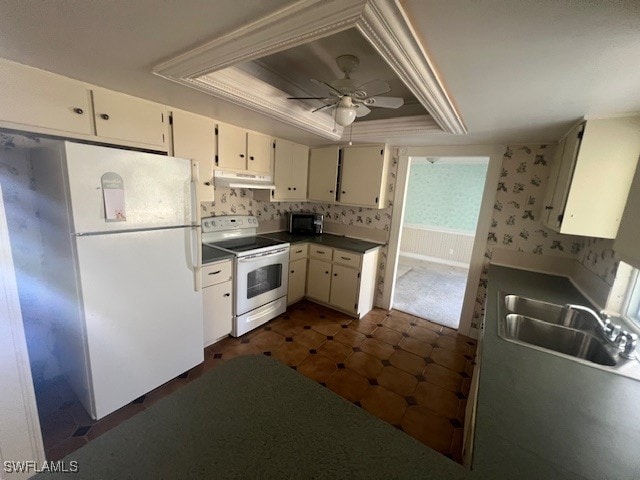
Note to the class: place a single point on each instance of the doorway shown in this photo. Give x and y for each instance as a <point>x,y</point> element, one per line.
<point>408,157</point>
<point>443,197</point>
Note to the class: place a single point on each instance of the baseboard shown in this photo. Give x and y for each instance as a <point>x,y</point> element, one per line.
<point>426,258</point>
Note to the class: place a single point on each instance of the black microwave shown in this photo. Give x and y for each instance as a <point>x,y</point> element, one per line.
<point>305,223</point>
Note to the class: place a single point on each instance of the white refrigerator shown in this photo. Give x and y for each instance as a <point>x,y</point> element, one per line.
<point>121,261</point>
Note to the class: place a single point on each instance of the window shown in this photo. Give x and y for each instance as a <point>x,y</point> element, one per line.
<point>632,308</point>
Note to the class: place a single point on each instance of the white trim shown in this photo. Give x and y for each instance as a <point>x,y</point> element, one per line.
<point>441,160</point>
<point>20,437</point>
<point>495,153</point>
<point>383,23</point>
<point>375,129</point>
<point>427,258</point>
<point>417,226</point>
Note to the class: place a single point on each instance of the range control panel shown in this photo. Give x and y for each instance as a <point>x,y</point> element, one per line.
<point>228,223</point>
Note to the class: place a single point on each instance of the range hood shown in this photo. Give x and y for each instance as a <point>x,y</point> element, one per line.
<point>224,178</point>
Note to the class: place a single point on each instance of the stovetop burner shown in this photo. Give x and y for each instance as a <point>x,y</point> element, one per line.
<point>245,244</point>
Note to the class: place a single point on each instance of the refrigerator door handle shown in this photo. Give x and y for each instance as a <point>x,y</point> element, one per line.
<point>196,257</point>
<point>195,201</point>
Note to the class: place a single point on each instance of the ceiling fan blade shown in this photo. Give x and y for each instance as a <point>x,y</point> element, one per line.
<point>361,110</point>
<point>374,87</point>
<point>308,98</point>
<point>322,107</point>
<point>384,102</point>
<point>325,84</point>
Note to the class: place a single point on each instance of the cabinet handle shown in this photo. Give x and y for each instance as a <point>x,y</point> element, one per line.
<point>343,192</point>
<point>289,188</point>
<point>208,184</point>
<point>335,274</point>
<point>79,111</point>
<point>327,272</point>
<point>298,251</point>
<point>227,295</point>
<point>318,251</point>
<point>215,273</point>
<point>292,271</point>
<point>104,116</point>
<point>251,157</point>
<point>330,191</point>
<point>294,188</point>
<point>242,155</point>
<point>548,207</point>
<point>345,258</point>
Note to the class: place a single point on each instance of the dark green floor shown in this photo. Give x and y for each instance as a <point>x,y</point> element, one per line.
<point>256,418</point>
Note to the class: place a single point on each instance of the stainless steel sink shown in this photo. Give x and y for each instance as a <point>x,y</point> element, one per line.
<point>560,339</point>
<point>549,312</point>
<point>565,332</point>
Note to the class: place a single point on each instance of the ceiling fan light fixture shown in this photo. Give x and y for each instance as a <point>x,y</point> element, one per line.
<point>345,112</point>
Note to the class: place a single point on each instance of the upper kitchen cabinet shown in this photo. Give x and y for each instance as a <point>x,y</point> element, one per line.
<point>591,176</point>
<point>363,176</point>
<point>122,117</point>
<point>35,98</point>
<point>323,174</point>
<point>291,168</point>
<point>243,150</point>
<point>627,243</point>
<point>194,138</point>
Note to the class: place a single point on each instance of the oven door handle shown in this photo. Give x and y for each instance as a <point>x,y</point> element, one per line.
<point>261,255</point>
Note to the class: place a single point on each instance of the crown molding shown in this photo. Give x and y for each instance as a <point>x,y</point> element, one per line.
<point>382,22</point>
<point>394,127</point>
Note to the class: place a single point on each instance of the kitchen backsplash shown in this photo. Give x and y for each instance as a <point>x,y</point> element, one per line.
<point>229,201</point>
<point>516,221</point>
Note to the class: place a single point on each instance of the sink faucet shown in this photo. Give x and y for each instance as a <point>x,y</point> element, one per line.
<point>627,342</point>
<point>603,323</point>
<point>622,339</point>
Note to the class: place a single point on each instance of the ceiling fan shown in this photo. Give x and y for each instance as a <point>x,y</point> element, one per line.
<point>350,100</point>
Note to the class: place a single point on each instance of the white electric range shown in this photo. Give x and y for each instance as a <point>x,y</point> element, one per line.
<point>260,269</point>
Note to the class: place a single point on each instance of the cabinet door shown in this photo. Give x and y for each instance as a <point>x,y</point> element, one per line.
<point>232,147</point>
<point>323,174</point>
<point>344,288</point>
<point>319,280</point>
<point>561,173</point>
<point>218,314</point>
<point>42,99</point>
<point>362,169</point>
<point>300,171</point>
<point>194,138</point>
<point>123,117</point>
<point>282,170</point>
<point>297,280</point>
<point>259,153</point>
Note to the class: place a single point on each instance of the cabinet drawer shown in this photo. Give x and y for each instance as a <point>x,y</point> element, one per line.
<point>298,251</point>
<point>349,259</point>
<point>318,251</point>
<point>216,273</point>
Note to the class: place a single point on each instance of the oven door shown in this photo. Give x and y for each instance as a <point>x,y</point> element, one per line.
<point>261,278</point>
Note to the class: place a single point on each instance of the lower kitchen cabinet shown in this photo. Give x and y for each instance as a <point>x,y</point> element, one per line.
<point>297,280</point>
<point>341,279</point>
<point>217,298</point>
<point>344,288</point>
<point>297,272</point>
<point>319,280</point>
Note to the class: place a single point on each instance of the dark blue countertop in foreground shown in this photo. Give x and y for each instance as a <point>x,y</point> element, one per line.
<point>333,241</point>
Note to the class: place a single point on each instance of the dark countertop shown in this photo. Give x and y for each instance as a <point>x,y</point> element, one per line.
<point>211,254</point>
<point>334,241</point>
<point>544,416</point>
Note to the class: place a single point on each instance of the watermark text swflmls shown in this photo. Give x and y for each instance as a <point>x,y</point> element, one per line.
<point>30,466</point>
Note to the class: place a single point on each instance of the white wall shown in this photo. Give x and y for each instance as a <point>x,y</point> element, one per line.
<point>436,245</point>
